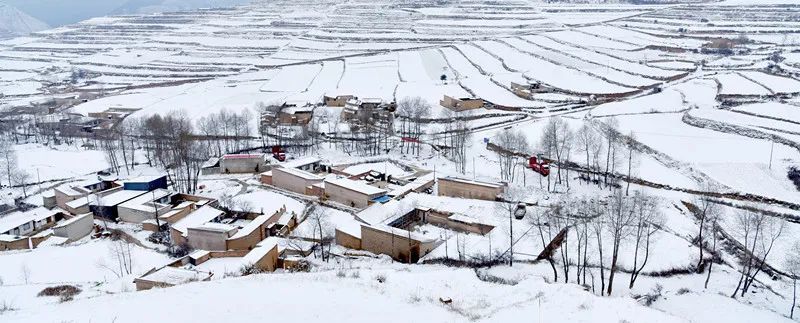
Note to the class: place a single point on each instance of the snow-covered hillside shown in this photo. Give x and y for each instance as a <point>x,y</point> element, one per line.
<point>17,23</point>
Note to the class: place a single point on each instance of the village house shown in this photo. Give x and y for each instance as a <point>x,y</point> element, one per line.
<point>387,228</point>
<point>179,230</point>
<point>464,188</point>
<point>146,206</point>
<point>106,206</point>
<point>26,229</point>
<point>308,164</point>
<point>235,164</point>
<point>368,110</point>
<point>295,180</point>
<point>66,193</point>
<point>461,104</point>
<point>528,90</point>
<point>24,223</point>
<point>336,101</point>
<point>287,114</point>
<point>68,124</point>
<point>353,193</point>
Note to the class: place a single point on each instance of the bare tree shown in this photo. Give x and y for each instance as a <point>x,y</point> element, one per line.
<point>647,220</point>
<point>758,233</point>
<point>589,144</point>
<point>556,141</point>
<point>619,217</point>
<point>632,157</point>
<point>792,263</point>
<point>706,210</point>
<point>511,142</point>
<point>412,111</point>
<point>25,273</point>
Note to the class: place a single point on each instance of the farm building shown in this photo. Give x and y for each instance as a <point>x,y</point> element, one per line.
<point>249,235</point>
<point>146,206</point>
<point>264,256</point>
<point>169,276</point>
<point>210,235</point>
<point>287,114</point>
<point>146,183</point>
<point>353,193</point>
<point>236,164</point>
<point>107,206</point>
<point>70,192</point>
<point>464,188</point>
<point>179,230</point>
<point>526,91</point>
<point>23,223</point>
<point>294,180</point>
<point>367,110</point>
<point>336,101</point>
<point>399,244</point>
<point>461,104</point>
<point>75,228</point>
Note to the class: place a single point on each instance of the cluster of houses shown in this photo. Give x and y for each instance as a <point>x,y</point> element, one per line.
<point>73,124</point>
<point>388,211</point>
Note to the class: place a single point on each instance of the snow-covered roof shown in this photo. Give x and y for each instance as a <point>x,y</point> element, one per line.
<point>298,173</point>
<point>285,218</point>
<point>17,218</point>
<point>413,185</point>
<point>301,162</point>
<point>73,220</point>
<point>400,232</point>
<point>143,202</point>
<point>243,156</point>
<point>9,237</point>
<point>214,226</point>
<point>198,217</point>
<point>356,186</point>
<point>351,227</point>
<point>143,179</point>
<point>175,276</point>
<point>250,227</point>
<point>386,212</point>
<point>472,182</point>
<point>261,250</point>
<point>116,198</point>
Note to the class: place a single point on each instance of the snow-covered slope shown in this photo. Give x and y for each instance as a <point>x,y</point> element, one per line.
<point>17,23</point>
<point>152,6</point>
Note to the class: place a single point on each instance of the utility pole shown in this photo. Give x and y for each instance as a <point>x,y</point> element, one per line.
<point>771,148</point>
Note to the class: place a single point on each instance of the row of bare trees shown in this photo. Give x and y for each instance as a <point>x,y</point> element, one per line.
<point>605,225</point>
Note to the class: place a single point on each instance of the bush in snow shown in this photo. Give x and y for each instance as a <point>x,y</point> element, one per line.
<point>381,278</point>
<point>161,237</point>
<point>794,176</point>
<point>341,273</point>
<point>5,306</point>
<point>683,290</point>
<point>250,270</point>
<point>65,292</point>
<point>355,274</point>
<point>179,251</point>
<point>652,297</point>
<point>489,278</point>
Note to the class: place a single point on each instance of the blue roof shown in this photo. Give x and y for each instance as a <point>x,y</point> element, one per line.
<point>382,199</point>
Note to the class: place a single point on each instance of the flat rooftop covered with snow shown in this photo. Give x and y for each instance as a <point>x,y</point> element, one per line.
<point>115,198</point>
<point>175,276</point>
<point>356,186</point>
<point>196,218</point>
<point>18,218</point>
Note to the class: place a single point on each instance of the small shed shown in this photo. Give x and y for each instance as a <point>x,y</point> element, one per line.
<point>75,228</point>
